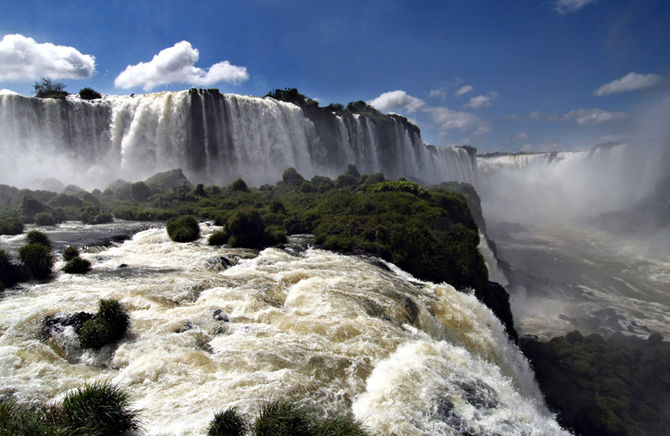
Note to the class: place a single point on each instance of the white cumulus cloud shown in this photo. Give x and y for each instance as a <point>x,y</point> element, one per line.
<point>481,100</point>
<point>629,82</point>
<point>446,118</point>
<point>565,7</point>
<point>590,117</point>
<point>463,90</point>
<point>176,64</point>
<point>24,59</point>
<point>397,101</point>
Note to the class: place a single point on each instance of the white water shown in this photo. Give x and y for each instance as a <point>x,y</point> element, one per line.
<point>336,332</point>
<point>214,138</point>
<point>545,213</point>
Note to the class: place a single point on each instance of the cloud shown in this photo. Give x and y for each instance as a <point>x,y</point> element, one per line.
<point>535,115</point>
<point>176,64</point>
<point>521,135</point>
<point>446,118</point>
<point>565,7</point>
<point>440,93</point>
<point>397,101</point>
<point>629,82</point>
<point>481,100</point>
<point>590,117</point>
<point>463,90</point>
<point>24,59</point>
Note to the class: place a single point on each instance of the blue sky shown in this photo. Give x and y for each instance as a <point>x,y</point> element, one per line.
<point>499,75</point>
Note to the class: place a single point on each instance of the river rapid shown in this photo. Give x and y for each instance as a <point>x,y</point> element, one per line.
<point>340,334</point>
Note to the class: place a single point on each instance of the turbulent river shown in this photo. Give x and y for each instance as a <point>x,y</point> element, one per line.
<point>341,334</point>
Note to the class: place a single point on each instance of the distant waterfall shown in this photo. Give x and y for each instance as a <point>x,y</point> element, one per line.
<point>214,138</point>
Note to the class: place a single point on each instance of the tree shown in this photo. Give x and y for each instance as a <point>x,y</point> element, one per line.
<point>46,88</point>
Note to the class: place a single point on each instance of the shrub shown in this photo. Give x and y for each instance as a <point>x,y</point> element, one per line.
<point>89,94</point>
<point>45,219</point>
<point>70,253</point>
<point>108,325</point>
<point>46,88</point>
<point>282,418</point>
<point>340,426</point>
<point>10,273</point>
<point>239,185</point>
<point>218,238</point>
<point>11,226</point>
<point>183,229</point>
<point>292,178</point>
<point>399,186</point>
<point>37,260</point>
<point>36,237</point>
<point>19,420</point>
<point>31,206</point>
<point>98,409</point>
<point>227,423</point>
<point>246,228</point>
<point>77,265</point>
<point>274,235</point>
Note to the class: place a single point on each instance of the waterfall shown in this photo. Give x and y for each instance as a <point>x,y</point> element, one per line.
<point>213,137</point>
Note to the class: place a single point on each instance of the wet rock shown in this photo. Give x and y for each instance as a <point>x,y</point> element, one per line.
<point>479,394</point>
<point>220,315</point>
<point>123,265</point>
<point>496,298</point>
<point>188,325</point>
<point>220,263</point>
<point>56,323</point>
<point>412,310</point>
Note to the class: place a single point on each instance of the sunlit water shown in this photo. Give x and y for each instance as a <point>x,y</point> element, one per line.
<point>340,334</point>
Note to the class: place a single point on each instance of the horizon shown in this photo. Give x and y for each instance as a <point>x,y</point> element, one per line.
<point>555,75</point>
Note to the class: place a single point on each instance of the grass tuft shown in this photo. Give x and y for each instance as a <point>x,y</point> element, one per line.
<point>227,423</point>
<point>283,418</point>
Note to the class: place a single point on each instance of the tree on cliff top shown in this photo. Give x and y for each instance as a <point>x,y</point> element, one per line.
<point>46,88</point>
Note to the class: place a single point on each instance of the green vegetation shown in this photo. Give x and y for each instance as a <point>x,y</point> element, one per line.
<point>10,273</point>
<point>183,229</point>
<point>77,265</point>
<point>89,94</point>
<point>341,426</point>
<point>98,409</point>
<point>227,423</point>
<point>70,253</point>
<point>37,260</point>
<point>95,409</point>
<point>107,326</point>
<point>11,226</point>
<point>619,386</point>
<point>283,418</point>
<point>36,237</point>
<point>46,88</point>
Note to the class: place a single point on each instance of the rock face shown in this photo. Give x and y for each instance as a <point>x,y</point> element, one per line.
<point>214,138</point>
<point>496,298</point>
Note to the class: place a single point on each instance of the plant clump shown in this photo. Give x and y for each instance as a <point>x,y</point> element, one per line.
<point>47,88</point>
<point>37,260</point>
<point>89,94</point>
<point>183,229</point>
<point>283,418</point>
<point>227,423</point>
<point>107,326</point>
<point>98,409</point>
<point>11,226</point>
<point>75,264</point>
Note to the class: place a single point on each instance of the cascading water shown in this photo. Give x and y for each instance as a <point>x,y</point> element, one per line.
<point>339,333</point>
<point>214,138</point>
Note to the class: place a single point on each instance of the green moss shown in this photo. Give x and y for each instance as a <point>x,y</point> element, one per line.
<point>183,229</point>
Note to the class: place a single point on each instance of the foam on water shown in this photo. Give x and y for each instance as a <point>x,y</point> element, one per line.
<point>338,333</point>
